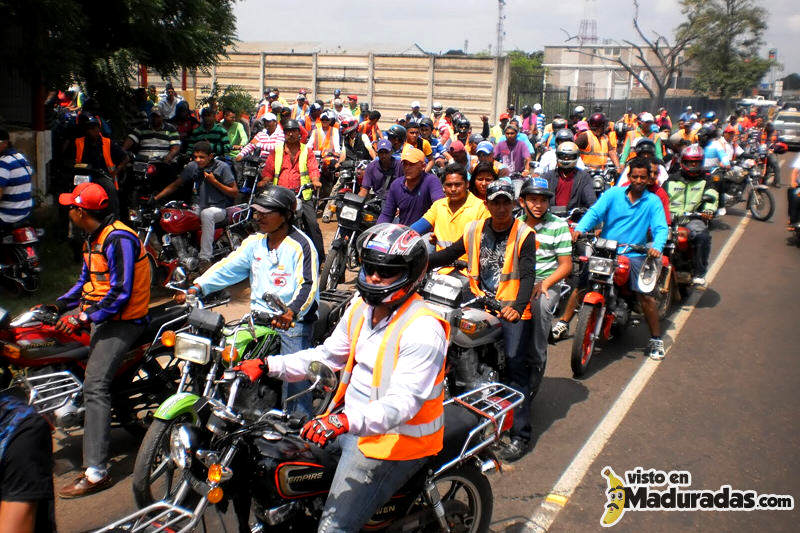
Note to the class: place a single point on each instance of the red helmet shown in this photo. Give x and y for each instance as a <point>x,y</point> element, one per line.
<point>348,125</point>
<point>597,120</point>
<point>692,161</point>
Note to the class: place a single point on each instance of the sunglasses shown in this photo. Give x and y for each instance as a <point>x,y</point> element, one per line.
<point>382,271</point>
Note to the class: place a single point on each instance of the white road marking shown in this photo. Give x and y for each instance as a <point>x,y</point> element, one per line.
<point>556,500</point>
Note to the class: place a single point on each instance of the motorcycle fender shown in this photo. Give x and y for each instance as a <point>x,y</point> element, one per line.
<point>176,405</point>
<point>594,298</point>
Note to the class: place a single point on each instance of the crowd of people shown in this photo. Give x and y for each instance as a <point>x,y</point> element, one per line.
<point>483,195</point>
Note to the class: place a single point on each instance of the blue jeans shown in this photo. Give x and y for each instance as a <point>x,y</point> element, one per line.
<point>360,486</point>
<point>293,340</point>
<point>520,371</point>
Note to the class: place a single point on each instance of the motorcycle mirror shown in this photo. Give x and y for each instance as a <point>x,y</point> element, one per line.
<point>322,376</point>
<point>5,318</point>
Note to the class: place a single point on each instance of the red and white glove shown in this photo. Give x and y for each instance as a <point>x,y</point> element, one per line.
<point>253,368</point>
<point>70,324</point>
<point>325,428</point>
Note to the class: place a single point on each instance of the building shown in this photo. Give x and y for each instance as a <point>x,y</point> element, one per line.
<point>590,72</point>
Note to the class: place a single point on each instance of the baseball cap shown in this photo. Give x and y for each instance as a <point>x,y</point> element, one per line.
<point>484,147</point>
<point>269,116</point>
<point>646,117</point>
<point>457,146</point>
<point>500,188</point>
<point>272,95</point>
<point>511,126</point>
<point>301,96</point>
<point>505,116</point>
<point>475,138</point>
<point>337,101</point>
<point>352,97</point>
<point>412,155</point>
<point>415,103</point>
<point>384,144</point>
<point>87,195</point>
<point>275,105</point>
<point>729,129</point>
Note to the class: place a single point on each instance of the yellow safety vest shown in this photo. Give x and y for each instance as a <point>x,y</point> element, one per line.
<point>303,162</point>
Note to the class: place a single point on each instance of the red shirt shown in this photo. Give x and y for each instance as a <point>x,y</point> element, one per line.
<point>564,187</point>
<point>290,169</point>
<point>659,191</point>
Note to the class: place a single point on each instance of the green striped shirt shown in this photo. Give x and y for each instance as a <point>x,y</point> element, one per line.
<point>217,136</point>
<point>554,240</point>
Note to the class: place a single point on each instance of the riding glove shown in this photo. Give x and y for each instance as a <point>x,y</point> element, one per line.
<point>253,368</point>
<point>325,428</point>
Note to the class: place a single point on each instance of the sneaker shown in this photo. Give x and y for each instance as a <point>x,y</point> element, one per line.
<point>701,281</point>
<point>721,212</point>
<point>514,450</point>
<point>559,330</point>
<point>655,349</point>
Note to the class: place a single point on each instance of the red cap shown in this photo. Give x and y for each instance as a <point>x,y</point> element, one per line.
<point>729,129</point>
<point>87,195</point>
<point>505,116</point>
<point>352,97</point>
<point>457,146</point>
<point>753,113</point>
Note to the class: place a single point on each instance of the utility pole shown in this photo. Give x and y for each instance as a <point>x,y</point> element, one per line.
<point>501,5</point>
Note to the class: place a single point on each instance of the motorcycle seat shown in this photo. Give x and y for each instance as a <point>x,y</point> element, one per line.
<point>458,422</point>
<point>76,352</point>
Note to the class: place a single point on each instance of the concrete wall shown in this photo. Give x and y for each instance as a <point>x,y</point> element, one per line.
<point>475,85</point>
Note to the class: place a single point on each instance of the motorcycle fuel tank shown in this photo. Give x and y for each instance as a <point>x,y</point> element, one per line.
<point>477,327</point>
<point>301,479</point>
<point>179,220</point>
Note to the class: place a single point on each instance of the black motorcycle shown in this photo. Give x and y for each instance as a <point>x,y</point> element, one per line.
<point>20,271</point>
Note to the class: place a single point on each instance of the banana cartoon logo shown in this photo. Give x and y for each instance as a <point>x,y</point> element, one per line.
<point>615,507</point>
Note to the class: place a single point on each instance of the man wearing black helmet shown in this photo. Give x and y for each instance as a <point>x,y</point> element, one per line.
<point>279,259</point>
<point>392,348</point>
<point>501,262</point>
<point>594,144</point>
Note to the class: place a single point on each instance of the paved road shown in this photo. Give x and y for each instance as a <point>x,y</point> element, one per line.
<point>714,406</point>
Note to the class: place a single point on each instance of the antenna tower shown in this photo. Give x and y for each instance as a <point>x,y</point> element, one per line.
<point>587,32</point>
<point>501,6</point>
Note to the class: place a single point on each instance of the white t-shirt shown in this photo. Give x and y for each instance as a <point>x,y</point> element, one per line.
<point>548,162</point>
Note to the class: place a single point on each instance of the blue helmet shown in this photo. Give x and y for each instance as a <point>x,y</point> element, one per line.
<point>710,115</point>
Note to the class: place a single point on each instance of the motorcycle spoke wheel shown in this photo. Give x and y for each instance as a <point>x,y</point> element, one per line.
<point>332,270</point>
<point>155,476</point>
<point>467,499</point>
<point>584,341</point>
<point>761,204</point>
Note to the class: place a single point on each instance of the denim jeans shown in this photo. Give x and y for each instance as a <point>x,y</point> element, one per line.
<point>772,162</point>
<point>293,340</point>
<point>520,371</point>
<point>110,342</point>
<point>543,308</point>
<point>360,486</point>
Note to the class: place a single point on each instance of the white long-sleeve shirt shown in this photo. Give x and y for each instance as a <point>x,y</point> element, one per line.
<point>422,349</point>
<point>265,142</point>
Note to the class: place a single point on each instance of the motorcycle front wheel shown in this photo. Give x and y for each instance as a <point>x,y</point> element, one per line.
<point>467,499</point>
<point>154,474</point>
<point>584,340</point>
<point>761,204</point>
<point>332,270</point>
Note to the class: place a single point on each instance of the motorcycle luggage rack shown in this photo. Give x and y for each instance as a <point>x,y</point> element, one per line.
<point>493,402</point>
<point>48,392</point>
<point>155,518</point>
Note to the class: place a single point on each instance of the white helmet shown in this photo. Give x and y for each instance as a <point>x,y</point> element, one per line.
<point>415,103</point>
<point>567,154</point>
<point>537,107</point>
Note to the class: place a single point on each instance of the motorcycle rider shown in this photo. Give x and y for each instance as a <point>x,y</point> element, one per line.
<point>549,160</point>
<point>293,165</point>
<point>279,259</point>
<point>112,295</point>
<point>686,189</point>
<point>627,214</point>
<point>101,153</point>
<point>210,131</point>
<point>501,259</point>
<point>714,157</point>
<point>160,141</point>
<point>356,146</point>
<point>370,127</point>
<point>409,198</point>
<point>212,180</point>
<point>16,200</point>
<point>414,139</point>
<point>484,153</point>
<point>381,171</point>
<point>769,137</point>
<point>265,140</point>
<point>571,186</point>
<point>595,146</point>
<point>390,424</point>
<point>642,130</point>
<point>513,153</point>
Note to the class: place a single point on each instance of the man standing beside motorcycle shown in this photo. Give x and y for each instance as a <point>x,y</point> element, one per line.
<point>627,213</point>
<point>113,295</point>
<point>15,184</point>
<point>216,189</point>
<point>279,259</point>
<point>686,189</point>
<point>391,348</point>
<point>501,261</point>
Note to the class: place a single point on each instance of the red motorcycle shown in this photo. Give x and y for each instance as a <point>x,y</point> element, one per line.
<point>171,236</point>
<point>48,367</point>
<point>608,304</point>
<point>19,260</point>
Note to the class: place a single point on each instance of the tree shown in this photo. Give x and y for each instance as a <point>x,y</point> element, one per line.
<point>659,58</point>
<point>727,56</point>
<point>100,43</point>
<point>526,75</point>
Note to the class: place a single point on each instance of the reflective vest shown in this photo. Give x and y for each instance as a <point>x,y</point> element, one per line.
<point>422,435</point>
<point>508,287</point>
<point>596,151</point>
<point>371,130</point>
<point>325,144</point>
<point>97,287</point>
<point>299,112</point>
<point>80,143</point>
<point>303,162</point>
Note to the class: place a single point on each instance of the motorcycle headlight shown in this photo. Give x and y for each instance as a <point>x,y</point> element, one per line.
<point>749,163</point>
<point>601,265</point>
<point>182,442</point>
<point>192,348</point>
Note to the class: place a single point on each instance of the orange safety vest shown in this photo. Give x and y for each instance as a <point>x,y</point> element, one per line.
<point>510,275</point>
<point>630,120</point>
<point>80,143</point>
<point>372,131</point>
<point>596,152</point>
<point>98,285</point>
<point>325,144</point>
<point>422,435</point>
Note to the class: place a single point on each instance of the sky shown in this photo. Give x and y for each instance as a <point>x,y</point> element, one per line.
<point>444,25</point>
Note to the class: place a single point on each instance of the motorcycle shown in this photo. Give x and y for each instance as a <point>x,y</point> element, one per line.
<point>48,367</point>
<point>742,183</point>
<point>356,214</point>
<point>347,180</point>
<point>608,305</point>
<point>257,461</point>
<point>680,253</point>
<point>20,271</point>
<point>603,178</point>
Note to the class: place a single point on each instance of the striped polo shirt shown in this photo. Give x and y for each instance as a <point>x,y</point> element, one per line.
<point>15,180</point>
<point>155,143</point>
<point>554,240</point>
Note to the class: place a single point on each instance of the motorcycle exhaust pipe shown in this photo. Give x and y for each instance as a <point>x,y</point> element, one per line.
<point>668,284</point>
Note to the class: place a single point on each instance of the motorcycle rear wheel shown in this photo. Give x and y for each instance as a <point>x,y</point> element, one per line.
<point>761,204</point>
<point>467,499</point>
<point>664,299</point>
<point>583,342</point>
<point>332,270</point>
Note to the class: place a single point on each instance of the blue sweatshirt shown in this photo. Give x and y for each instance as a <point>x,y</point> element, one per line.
<point>627,222</point>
